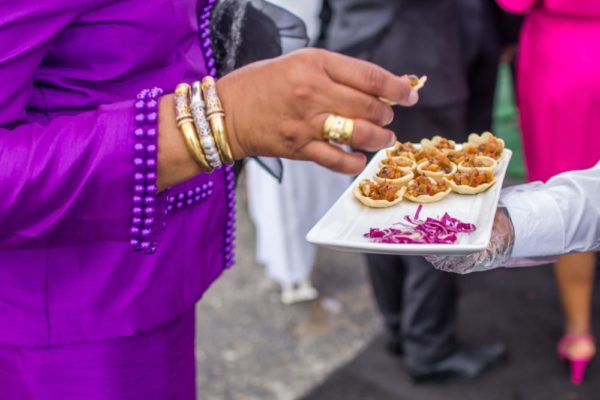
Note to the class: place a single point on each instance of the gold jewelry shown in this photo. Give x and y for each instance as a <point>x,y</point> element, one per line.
<point>216,118</point>
<point>185,123</point>
<point>338,129</point>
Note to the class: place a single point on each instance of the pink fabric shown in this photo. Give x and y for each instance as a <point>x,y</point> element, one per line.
<point>559,86</point>
<point>157,364</point>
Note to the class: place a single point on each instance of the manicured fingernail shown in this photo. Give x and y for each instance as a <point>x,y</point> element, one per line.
<point>413,97</point>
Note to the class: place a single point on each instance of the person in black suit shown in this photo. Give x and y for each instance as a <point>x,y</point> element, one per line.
<point>421,37</point>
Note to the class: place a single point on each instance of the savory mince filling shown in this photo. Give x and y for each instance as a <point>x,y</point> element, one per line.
<point>378,191</point>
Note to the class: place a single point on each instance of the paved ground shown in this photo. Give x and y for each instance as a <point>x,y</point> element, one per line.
<point>252,347</point>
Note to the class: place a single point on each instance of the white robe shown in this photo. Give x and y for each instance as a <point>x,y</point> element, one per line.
<point>283,213</point>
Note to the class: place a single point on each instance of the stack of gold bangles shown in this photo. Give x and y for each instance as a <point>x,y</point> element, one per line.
<point>201,120</point>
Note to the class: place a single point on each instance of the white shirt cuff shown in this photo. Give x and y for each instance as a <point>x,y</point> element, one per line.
<point>537,220</point>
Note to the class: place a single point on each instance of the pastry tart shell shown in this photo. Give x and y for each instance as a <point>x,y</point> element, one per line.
<point>369,202</point>
<point>432,174</point>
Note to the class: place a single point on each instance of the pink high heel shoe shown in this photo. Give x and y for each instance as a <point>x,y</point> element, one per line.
<point>576,364</point>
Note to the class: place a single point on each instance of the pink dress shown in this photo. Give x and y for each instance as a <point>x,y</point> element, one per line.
<point>559,84</point>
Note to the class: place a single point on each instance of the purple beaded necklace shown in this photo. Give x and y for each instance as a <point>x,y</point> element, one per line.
<point>146,212</point>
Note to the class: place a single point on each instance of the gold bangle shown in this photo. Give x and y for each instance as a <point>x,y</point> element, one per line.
<point>216,118</point>
<point>185,123</point>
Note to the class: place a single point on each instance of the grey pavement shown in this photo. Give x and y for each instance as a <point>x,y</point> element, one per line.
<point>250,346</point>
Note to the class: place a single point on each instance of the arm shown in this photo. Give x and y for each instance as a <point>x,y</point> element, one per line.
<point>538,222</point>
<point>71,180</point>
<point>517,6</point>
<point>560,217</point>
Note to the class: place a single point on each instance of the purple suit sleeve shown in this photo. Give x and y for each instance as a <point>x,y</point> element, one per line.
<point>70,181</point>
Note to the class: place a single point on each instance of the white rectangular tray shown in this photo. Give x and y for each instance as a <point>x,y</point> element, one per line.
<point>344,225</point>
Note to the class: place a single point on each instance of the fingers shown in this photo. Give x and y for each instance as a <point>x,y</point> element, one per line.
<point>370,137</point>
<point>334,158</point>
<point>350,102</point>
<point>370,78</point>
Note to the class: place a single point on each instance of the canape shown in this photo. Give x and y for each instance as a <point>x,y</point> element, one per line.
<point>400,162</point>
<point>395,175</point>
<point>424,189</point>
<point>481,163</point>
<point>378,194</point>
<point>486,145</point>
<point>472,181</point>
<point>440,143</point>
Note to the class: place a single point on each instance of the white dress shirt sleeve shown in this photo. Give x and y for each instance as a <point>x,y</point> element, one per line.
<point>559,217</point>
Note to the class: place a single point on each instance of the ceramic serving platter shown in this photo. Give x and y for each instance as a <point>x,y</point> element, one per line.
<point>344,225</point>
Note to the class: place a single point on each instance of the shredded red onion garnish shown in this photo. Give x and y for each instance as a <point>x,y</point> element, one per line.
<point>416,231</point>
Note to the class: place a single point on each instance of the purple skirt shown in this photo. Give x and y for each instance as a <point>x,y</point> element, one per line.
<point>154,365</point>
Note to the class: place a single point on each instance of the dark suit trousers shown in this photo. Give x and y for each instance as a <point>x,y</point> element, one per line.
<point>418,302</point>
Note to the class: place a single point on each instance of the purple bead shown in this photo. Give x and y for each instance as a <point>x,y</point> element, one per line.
<point>230,195</point>
<point>151,163</point>
<point>197,190</point>
<point>204,186</point>
<point>142,95</point>
<point>146,233</point>
<point>151,105</point>
<point>181,196</point>
<point>190,193</point>
<point>213,72</point>
<point>149,200</point>
<point>151,177</point>
<point>139,177</point>
<point>152,117</point>
<point>138,200</point>
<point>171,200</point>
<point>210,63</point>
<point>189,202</point>
<point>230,223</point>
<point>140,119</point>
<point>152,250</point>
<point>134,231</point>
<point>207,41</point>
<point>156,92</point>
<point>152,188</point>
<point>170,207</point>
<point>133,242</point>
<point>139,133</point>
<point>137,211</point>
<point>197,197</point>
<point>139,105</point>
<point>148,222</point>
<point>138,162</point>
<point>210,184</point>
<point>139,189</point>
<point>139,147</point>
<point>203,195</point>
<point>209,53</point>
<point>151,133</point>
<point>145,246</point>
<point>150,211</point>
<point>179,204</point>
<point>136,221</point>
<point>151,149</point>
<point>231,186</point>
<point>228,257</point>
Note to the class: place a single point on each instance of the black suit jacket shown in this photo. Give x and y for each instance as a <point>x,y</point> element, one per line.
<point>404,36</point>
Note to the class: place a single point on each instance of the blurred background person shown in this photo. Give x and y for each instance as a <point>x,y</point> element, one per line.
<point>558,89</point>
<point>283,212</point>
<point>419,304</point>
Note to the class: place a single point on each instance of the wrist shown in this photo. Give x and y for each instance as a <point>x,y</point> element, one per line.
<point>224,88</point>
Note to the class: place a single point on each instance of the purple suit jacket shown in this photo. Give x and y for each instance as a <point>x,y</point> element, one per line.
<point>69,74</point>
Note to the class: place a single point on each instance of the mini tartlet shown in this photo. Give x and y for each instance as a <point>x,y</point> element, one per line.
<point>472,181</point>
<point>485,144</point>
<point>440,143</point>
<point>424,189</point>
<point>395,175</point>
<point>400,149</point>
<point>436,167</point>
<point>378,195</point>
<point>481,163</point>
<point>400,162</point>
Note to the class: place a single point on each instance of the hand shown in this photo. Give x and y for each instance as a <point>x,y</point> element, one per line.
<point>496,255</point>
<point>278,107</point>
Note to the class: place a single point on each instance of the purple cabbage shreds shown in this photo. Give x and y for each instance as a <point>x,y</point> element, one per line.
<point>416,231</point>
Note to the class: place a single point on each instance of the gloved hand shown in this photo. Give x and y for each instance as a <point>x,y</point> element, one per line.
<point>496,255</point>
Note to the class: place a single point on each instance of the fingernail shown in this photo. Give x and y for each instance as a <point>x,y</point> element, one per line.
<point>413,97</point>
<point>392,140</point>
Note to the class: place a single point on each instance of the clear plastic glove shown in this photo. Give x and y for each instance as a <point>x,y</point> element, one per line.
<point>496,255</point>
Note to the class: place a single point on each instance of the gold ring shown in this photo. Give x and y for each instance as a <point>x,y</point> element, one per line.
<point>338,129</point>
